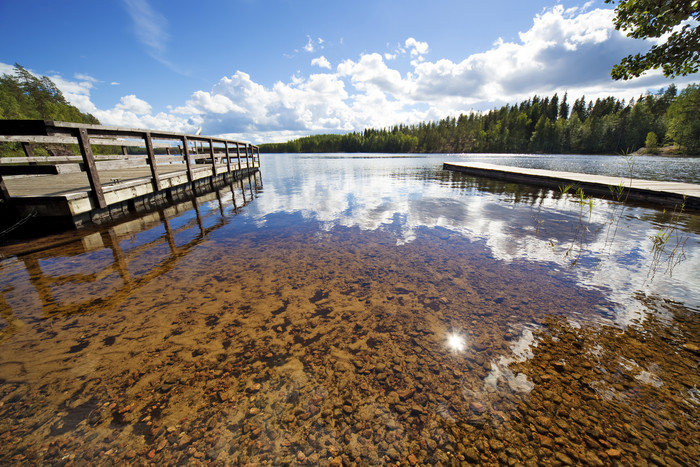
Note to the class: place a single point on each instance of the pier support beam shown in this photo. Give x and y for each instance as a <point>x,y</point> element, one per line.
<point>90,168</point>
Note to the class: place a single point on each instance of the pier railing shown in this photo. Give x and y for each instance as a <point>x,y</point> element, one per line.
<point>224,155</point>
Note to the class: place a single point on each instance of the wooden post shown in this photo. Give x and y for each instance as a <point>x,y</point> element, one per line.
<point>186,153</point>
<point>213,159</point>
<point>238,153</point>
<point>4,194</point>
<point>152,161</point>
<point>228,157</point>
<point>28,149</point>
<point>124,153</point>
<point>91,168</point>
<point>247,155</point>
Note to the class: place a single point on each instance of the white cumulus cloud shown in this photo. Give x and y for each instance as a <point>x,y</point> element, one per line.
<point>565,50</point>
<point>416,47</point>
<point>321,62</point>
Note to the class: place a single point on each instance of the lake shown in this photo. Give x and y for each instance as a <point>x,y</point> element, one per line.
<point>343,309</point>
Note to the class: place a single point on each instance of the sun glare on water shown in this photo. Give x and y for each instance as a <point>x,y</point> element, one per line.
<point>456,342</point>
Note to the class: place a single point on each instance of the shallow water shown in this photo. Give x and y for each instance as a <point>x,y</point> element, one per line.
<point>357,310</point>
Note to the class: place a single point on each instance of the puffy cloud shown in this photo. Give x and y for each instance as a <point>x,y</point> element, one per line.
<point>371,72</point>
<point>321,62</point>
<point>415,47</point>
<point>565,50</point>
<point>135,105</point>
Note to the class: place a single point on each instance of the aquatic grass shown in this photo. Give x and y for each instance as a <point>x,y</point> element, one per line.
<point>667,244</point>
<point>668,235</point>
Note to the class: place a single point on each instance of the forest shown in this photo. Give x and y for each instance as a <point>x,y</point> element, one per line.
<point>538,125</point>
<point>24,96</point>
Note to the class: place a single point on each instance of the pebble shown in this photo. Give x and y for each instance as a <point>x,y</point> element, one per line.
<point>477,407</point>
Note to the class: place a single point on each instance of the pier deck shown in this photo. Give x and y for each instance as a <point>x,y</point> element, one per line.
<point>667,194</point>
<point>66,190</point>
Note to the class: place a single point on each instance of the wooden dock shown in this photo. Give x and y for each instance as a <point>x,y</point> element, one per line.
<point>666,194</point>
<point>153,169</point>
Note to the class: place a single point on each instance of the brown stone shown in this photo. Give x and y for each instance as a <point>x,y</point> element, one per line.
<point>477,407</point>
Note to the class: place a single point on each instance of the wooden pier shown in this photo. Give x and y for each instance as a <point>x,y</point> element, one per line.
<point>666,194</point>
<point>153,169</point>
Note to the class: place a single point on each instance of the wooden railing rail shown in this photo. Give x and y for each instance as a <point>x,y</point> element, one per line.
<point>33,132</point>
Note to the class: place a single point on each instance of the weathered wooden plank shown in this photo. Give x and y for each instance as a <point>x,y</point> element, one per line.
<point>213,159</point>
<point>37,139</point>
<point>22,127</point>
<point>228,157</point>
<point>28,149</point>
<point>90,168</point>
<point>28,169</point>
<point>4,194</point>
<point>152,162</point>
<point>186,153</point>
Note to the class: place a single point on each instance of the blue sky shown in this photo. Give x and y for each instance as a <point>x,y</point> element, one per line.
<point>279,69</point>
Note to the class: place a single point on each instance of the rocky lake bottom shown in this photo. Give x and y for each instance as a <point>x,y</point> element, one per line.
<point>294,345</point>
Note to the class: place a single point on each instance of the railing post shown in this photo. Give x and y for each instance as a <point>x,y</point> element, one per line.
<point>186,153</point>
<point>28,149</point>
<point>152,161</point>
<point>248,149</point>
<point>4,194</point>
<point>213,159</point>
<point>257,149</point>
<point>238,153</point>
<point>91,168</point>
<point>228,157</point>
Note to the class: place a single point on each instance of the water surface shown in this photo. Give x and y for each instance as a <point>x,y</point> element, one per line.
<point>346,309</point>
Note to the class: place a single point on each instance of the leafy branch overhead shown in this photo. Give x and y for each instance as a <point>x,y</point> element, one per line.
<point>676,21</point>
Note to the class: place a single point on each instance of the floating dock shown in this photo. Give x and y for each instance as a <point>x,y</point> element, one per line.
<point>667,194</point>
<point>154,169</point>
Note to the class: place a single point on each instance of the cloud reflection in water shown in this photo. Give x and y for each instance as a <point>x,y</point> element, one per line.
<point>403,195</point>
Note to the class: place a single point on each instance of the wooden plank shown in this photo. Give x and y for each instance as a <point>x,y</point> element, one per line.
<point>152,162</point>
<point>186,153</point>
<point>37,139</point>
<point>25,169</point>
<point>213,159</point>
<point>4,194</point>
<point>670,194</point>
<point>90,168</point>
<point>28,149</point>
<point>228,157</point>
<point>22,127</point>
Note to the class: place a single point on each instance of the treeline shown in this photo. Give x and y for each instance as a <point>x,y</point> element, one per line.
<point>24,96</point>
<point>538,125</point>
